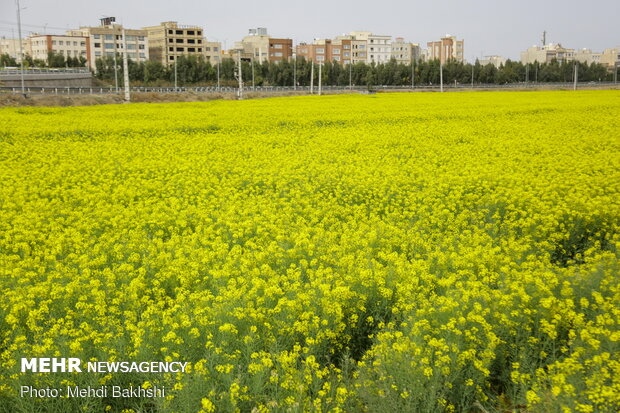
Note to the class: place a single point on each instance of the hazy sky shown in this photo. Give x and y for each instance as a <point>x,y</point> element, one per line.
<point>488,27</point>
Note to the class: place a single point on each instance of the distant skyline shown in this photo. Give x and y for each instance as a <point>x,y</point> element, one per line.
<point>488,27</point>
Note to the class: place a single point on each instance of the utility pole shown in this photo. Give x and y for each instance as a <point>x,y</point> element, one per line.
<point>294,71</point>
<point>472,75</point>
<point>351,74</point>
<point>21,46</point>
<point>312,77</point>
<point>254,55</point>
<point>218,73</point>
<point>240,76</point>
<point>575,80</point>
<point>412,71</point>
<point>126,68</point>
<point>175,73</point>
<point>527,72</point>
<point>440,76</point>
<point>320,83</point>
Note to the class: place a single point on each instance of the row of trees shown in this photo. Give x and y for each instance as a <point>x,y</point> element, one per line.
<point>195,70</point>
<point>192,70</point>
<point>53,60</point>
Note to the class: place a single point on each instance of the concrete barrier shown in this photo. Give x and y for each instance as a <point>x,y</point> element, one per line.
<point>60,79</point>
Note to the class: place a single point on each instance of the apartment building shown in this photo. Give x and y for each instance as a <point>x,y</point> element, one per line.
<point>611,58</point>
<point>544,54</point>
<point>496,61</point>
<point>587,56</point>
<point>169,40</point>
<point>107,39</point>
<point>41,45</point>
<point>261,47</point>
<point>405,52</point>
<point>213,51</point>
<point>11,47</point>
<point>448,48</point>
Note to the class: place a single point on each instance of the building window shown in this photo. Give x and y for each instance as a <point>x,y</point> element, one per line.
<point>169,31</point>
<point>140,38</point>
<point>320,50</point>
<point>170,40</point>
<point>109,37</point>
<point>97,53</point>
<point>191,41</point>
<point>215,49</point>
<point>108,46</point>
<point>278,54</point>
<point>346,46</point>
<point>82,43</point>
<point>347,54</point>
<point>320,58</point>
<point>60,43</point>
<point>200,50</point>
<point>179,32</point>
<point>337,58</point>
<point>199,33</point>
<point>199,41</point>
<point>179,40</point>
<point>208,49</point>
<point>131,46</point>
<point>142,55</point>
<point>141,46</point>
<point>180,49</point>
<point>96,36</point>
<point>171,49</point>
<point>191,49</point>
<point>97,45</point>
<point>336,51</point>
<point>278,46</point>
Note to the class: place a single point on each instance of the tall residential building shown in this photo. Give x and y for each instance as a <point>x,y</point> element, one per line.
<point>213,51</point>
<point>107,39</point>
<point>327,50</point>
<point>611,58</point>
<point>448,48</point>
<point>405,52</point>
<point>261,47</point>
<point>41,45</point>
<point>587,56</point>
<point>170,40</point>
<point>11,47</point>
<point>378,48</point>
<point>544,54</point>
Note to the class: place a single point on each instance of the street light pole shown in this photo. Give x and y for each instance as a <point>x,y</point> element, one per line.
<point>312,77</point>
<point>320,70</point>
<point>21,46</point>
<point>440,76</point>
<point>294,71</point>
<point>125,68</point>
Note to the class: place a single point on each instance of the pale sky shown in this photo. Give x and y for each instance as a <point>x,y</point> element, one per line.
<point>488,27</point>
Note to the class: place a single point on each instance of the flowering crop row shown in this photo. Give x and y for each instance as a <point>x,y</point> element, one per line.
<point>397,252</point>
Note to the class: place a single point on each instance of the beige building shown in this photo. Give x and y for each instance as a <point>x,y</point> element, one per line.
<point>107,39</point>
<point>40,45</point>
<point>496,61</point>
<point>170,40</point>
<point>213,51</point>
<point>448,48</point>
<point>405,52</point>
<point>611,58</point>
<point>587,56</point>
<point>11,47</point>
<point>261,47</point>
<point>544,54</point>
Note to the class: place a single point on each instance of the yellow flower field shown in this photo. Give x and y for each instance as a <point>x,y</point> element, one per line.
<point>393,252</point>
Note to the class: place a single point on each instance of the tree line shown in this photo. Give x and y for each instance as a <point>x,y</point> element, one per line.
<point>195,70</point>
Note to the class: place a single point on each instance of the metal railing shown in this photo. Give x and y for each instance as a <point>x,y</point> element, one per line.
<point>37,70</point>
<point>69,90</point>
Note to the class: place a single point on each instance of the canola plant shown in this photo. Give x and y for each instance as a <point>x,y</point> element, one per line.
<point>397,252</point>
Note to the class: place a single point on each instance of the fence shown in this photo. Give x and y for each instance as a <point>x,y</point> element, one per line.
<point>284,89</point>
